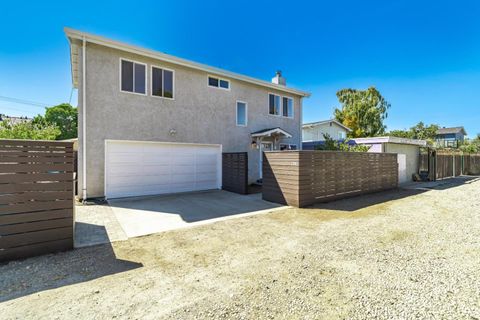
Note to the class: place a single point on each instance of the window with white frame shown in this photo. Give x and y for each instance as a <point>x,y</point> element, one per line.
<point>273,104</point>
<point>218,83</point>
<point>287,107</point>
<point>286,146</point>
<point>133,77</point>
<point>242,113</point>
<point>162,82</point>
<point>341,135</point>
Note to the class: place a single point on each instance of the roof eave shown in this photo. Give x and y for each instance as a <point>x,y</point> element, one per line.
<point>75,34</point>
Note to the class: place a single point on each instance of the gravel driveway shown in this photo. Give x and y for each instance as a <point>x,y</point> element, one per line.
<point>396,255</point>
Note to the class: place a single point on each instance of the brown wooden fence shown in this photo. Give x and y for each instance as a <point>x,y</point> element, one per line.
<point>235,172</point>
<point>36,198</point>
<point>471,164</point>
<point>447,165</point>
<point>301,178</point>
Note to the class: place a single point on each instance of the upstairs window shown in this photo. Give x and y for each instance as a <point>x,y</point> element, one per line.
<point>162,82</point>
<point>287,107</point>
<point>274,104</point>
<point>133,77</point>
<point>218,83</point>
<point>241,113</point>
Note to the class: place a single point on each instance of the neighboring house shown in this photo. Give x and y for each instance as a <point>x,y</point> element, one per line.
<point>450,137</point>
<point>313,133</point>
<point>408,151</point>
<point>14,120</point>
<point>152,123</point>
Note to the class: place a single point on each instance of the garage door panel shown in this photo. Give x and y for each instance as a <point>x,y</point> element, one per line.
<point>123,157</point>
<point>157,159</point>
<point>137,168</point>
<point>140,180</point>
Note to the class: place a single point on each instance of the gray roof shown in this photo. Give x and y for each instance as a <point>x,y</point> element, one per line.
<point>451,130</point>
<point>338,123</point>
<point>270,131</point>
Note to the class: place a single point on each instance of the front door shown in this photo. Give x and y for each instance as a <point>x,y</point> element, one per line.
<point>264,146</point>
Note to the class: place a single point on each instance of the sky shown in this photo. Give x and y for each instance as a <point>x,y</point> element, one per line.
<point>423,56</point>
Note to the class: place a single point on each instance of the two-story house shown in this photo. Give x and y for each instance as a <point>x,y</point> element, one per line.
<point>151,123</point>
<point>450,137</point>
<point>314,133</point>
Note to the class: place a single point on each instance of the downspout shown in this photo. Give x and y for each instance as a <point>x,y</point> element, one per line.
<point>84,120</point>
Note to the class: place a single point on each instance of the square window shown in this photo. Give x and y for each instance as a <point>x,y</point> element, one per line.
<point>162,83</point>
<point>213,82</point>
<point>218,83</point>
<point>224,84</point>
<point>132,77</point>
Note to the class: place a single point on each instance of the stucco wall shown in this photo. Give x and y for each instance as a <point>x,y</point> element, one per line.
<point>199,113</point>
<point>316,133</point>
<point>412,152</point>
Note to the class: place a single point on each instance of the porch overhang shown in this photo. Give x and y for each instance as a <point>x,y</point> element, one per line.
<point>271,132</point>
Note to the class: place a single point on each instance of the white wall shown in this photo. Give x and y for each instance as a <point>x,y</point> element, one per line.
<point>316,133</point>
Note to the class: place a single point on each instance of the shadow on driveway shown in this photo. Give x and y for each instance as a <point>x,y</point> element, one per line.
<point>24,277</point>
<point>146,215</point>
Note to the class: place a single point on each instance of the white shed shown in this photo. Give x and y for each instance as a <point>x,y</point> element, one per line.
<point>408,151</point>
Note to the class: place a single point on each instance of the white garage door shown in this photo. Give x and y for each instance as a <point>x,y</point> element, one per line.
<point>147,168</point>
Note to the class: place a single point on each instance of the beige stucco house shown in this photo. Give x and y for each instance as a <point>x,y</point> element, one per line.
<point>152,123</point>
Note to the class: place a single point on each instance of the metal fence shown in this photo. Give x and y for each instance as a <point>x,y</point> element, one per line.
<point>302,178</point>
<point>36,197</point>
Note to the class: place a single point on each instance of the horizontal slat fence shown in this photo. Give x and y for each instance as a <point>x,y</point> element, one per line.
<point>235,172</point>
<point>36,197</point>
<point>302,178</point>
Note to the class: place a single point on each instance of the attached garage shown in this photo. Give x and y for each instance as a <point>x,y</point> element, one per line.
<point>134,168</point>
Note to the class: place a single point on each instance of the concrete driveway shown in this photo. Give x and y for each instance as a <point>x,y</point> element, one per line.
<point>147,215</point>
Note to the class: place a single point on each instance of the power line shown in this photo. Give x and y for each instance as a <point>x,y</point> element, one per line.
<point>15,109</point>
<point>26,102</point>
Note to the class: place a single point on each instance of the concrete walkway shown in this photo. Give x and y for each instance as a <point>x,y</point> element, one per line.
<point>121,219</point>
<point>96,224</point>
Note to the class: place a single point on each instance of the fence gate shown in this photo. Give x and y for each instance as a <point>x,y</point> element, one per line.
<point>448,165</point>
<point>36,197</point>
<point>235,172</point>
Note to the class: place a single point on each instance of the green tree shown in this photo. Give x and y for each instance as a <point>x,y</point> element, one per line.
<point>63,116</point>
<point>333,145</point>
<point>28,130</point>
<point>418,131</point>
<point>363,111</point>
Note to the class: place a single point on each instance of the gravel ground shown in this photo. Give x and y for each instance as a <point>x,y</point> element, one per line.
<point>394,255</point>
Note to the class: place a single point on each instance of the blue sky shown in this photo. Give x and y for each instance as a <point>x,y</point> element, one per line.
<point>423,56</point>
